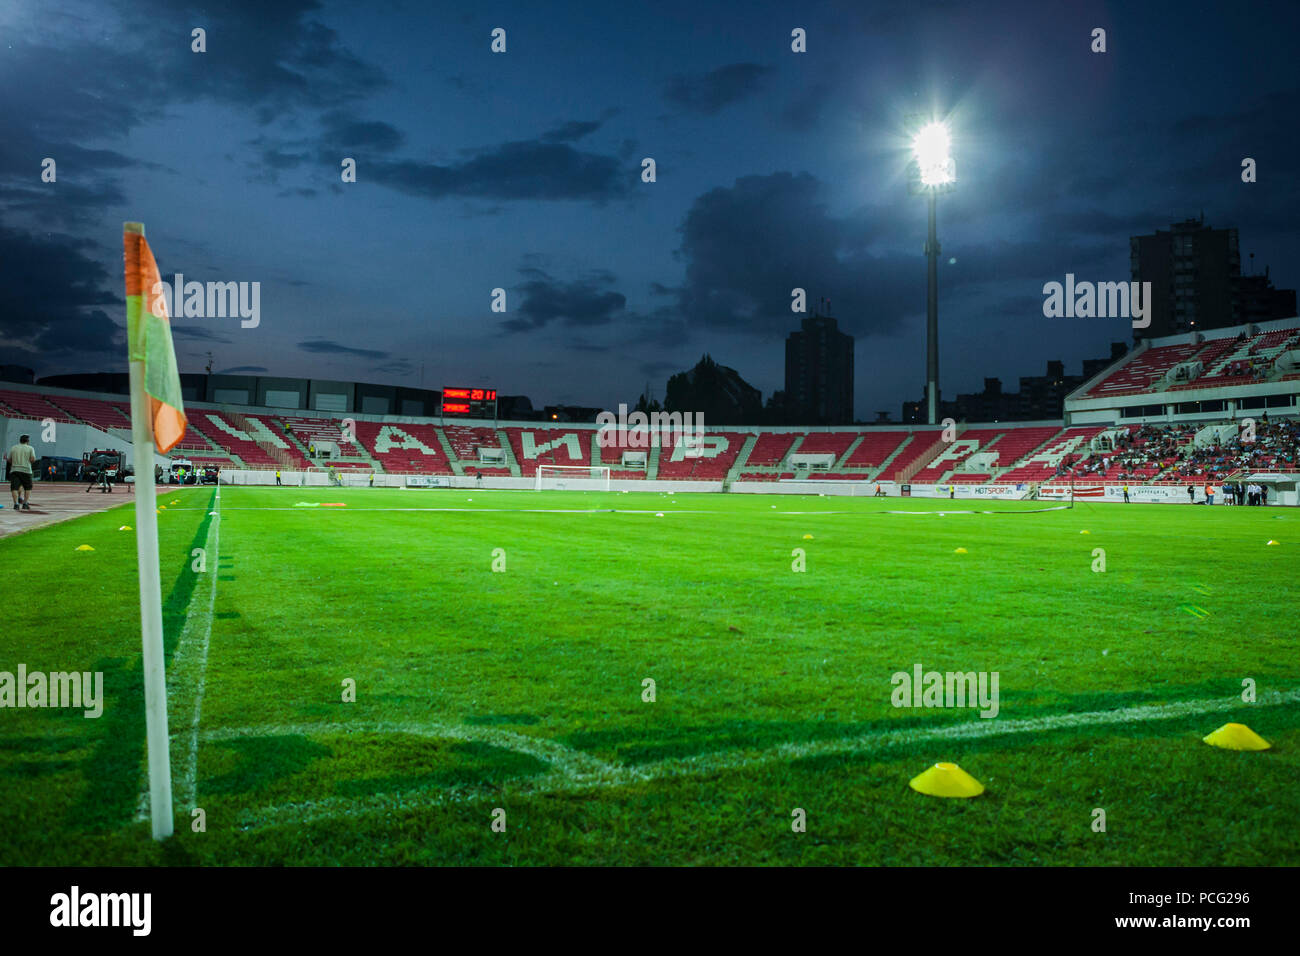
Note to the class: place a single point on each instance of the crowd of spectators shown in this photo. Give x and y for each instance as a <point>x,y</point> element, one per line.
<point>1169,453</point>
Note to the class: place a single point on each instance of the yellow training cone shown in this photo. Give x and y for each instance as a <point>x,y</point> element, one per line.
<point>125,527</point>
<point>84,547</point>
<point>946,780</point>
<point>162,507</point>
<point>961,551</point>
<point>1085,531</point>
<point>1272,542</point>
<point>807,537</point>
<point>1237,737</point>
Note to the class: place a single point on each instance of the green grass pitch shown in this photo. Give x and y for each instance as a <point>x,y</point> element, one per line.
<point>522,689</point>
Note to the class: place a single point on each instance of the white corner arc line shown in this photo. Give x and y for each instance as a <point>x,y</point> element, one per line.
<point>599,775</point>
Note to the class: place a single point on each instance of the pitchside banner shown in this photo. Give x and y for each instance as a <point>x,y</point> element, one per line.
<point>1171,494</point>
<point>1003,492</point>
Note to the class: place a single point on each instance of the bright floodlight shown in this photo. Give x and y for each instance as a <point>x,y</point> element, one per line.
<point>931,148</point>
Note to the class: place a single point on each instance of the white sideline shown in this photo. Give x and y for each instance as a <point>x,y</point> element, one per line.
<point>188,676</point>
<point>577,772</point>
<point>365,509</point>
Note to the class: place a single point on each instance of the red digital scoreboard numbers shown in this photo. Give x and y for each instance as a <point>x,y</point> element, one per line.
<point>470,402</point>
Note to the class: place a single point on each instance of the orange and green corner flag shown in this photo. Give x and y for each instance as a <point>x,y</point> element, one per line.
<point>149,334</point>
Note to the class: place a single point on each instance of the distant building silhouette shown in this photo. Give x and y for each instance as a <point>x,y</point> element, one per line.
<point>1040,397</point>
<point>716,392</point>
<point>17,373</point>
<point>1255,299</point>
<point>819,373</point>
<point>1196,281</point>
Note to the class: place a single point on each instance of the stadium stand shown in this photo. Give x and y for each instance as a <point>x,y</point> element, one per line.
<point>533,447</point>
<point>1143,372</point>
<point>1221,361</point>
<point>1208,448</point>
<point>99,413</point>
<point>405,447</point>
<point>251,439</point>
<point>712,464</point>
<point>770,449</point>
<point>875,448</point>
<point>310,431</point>
<point>466,440</point>
<point>920,446</point>
<point>29,405</point>
<point>824,443</point>
<point>966,444</point>
<point>1046,462</point>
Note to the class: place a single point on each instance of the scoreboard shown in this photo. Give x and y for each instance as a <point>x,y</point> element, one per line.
<point>470,402</point>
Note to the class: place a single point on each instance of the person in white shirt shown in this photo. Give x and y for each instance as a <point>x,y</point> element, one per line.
<point>21,459</point>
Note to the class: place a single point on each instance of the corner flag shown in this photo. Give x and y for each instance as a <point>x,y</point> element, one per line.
<point>150,334</point>
<point>157,420</point>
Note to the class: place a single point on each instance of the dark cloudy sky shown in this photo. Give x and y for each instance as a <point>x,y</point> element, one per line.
<point>521,170</point>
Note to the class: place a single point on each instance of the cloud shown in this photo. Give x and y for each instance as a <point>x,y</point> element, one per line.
<point>580,302</point>
<point>657,369</point>
<point>572,130</point>
<point>196,333</point>
<point>282,55</point>
<point>346,132</point>
<point>49,290</point>
<point>804,110</point>
<point>742,257</point>
<point>92,332</point>
<point>708,93</point>
<point>276,159</point>
<point>517,170</point>
<point>329,347</point>
<point>65,100</point>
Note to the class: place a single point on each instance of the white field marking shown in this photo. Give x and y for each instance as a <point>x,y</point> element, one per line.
<point>540,511</point>
<point>950,511</point>
<point>626,511</point>
<point>573,764</point>
<point>610,776</point>
<point>188,677</point>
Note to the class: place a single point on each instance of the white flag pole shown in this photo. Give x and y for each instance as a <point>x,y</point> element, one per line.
<point>151,629</point>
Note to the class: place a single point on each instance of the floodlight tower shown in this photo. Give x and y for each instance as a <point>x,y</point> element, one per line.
<point>933,172</point>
